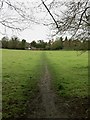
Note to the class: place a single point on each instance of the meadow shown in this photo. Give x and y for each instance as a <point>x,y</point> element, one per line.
<point>22,69</point>
<point>69,72</point>
<point>0,83</point>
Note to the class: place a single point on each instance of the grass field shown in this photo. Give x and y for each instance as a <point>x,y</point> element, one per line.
<point>69,72</point>
<point>22,71</point>
<point>0,83</point>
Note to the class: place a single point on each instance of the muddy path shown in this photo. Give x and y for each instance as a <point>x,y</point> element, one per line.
<point>44,104</point>
<point>47,104</point>
<point>48,95</point>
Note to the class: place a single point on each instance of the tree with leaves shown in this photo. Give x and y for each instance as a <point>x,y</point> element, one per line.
<point>23,44</point>
<point>4,42</point>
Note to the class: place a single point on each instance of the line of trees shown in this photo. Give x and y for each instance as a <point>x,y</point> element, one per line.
<point>72,17</point>
<point>14,43</point>
<point>58,44</point>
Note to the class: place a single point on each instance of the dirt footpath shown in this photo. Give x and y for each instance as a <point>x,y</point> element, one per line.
<point>44,105</point>
<point>47,104</point>
<point>48,97</point>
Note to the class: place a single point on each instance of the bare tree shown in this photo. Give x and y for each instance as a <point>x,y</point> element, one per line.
<point>16,15</point>
<point>68,16</point>
<point>72,17</point>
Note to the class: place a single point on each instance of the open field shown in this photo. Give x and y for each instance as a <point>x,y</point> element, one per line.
<point>22,71</point>
<point>0,83</point>
<point>69,72</point>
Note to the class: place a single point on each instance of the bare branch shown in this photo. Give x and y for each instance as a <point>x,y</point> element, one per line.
<point>50,14</point>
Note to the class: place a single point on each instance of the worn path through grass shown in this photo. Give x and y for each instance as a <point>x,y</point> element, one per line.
<point>48,94</point>
<point>44,105</point>
<point>40,84</point>
<point>48,103</point>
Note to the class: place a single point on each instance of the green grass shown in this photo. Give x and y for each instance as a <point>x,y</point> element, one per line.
<point>69,72</point>
<point>0,83</point>
<point>21,72</point>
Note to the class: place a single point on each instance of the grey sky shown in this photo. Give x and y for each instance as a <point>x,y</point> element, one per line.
<point>36,32</point>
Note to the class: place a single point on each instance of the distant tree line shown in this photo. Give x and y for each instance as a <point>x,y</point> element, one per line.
<point>14,43</point>
<point>58,44</point>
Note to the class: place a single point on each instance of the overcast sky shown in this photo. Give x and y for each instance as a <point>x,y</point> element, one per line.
<point>36,31</point>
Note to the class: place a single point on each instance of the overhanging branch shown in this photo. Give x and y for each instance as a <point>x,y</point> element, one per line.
<point>50,14</point>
